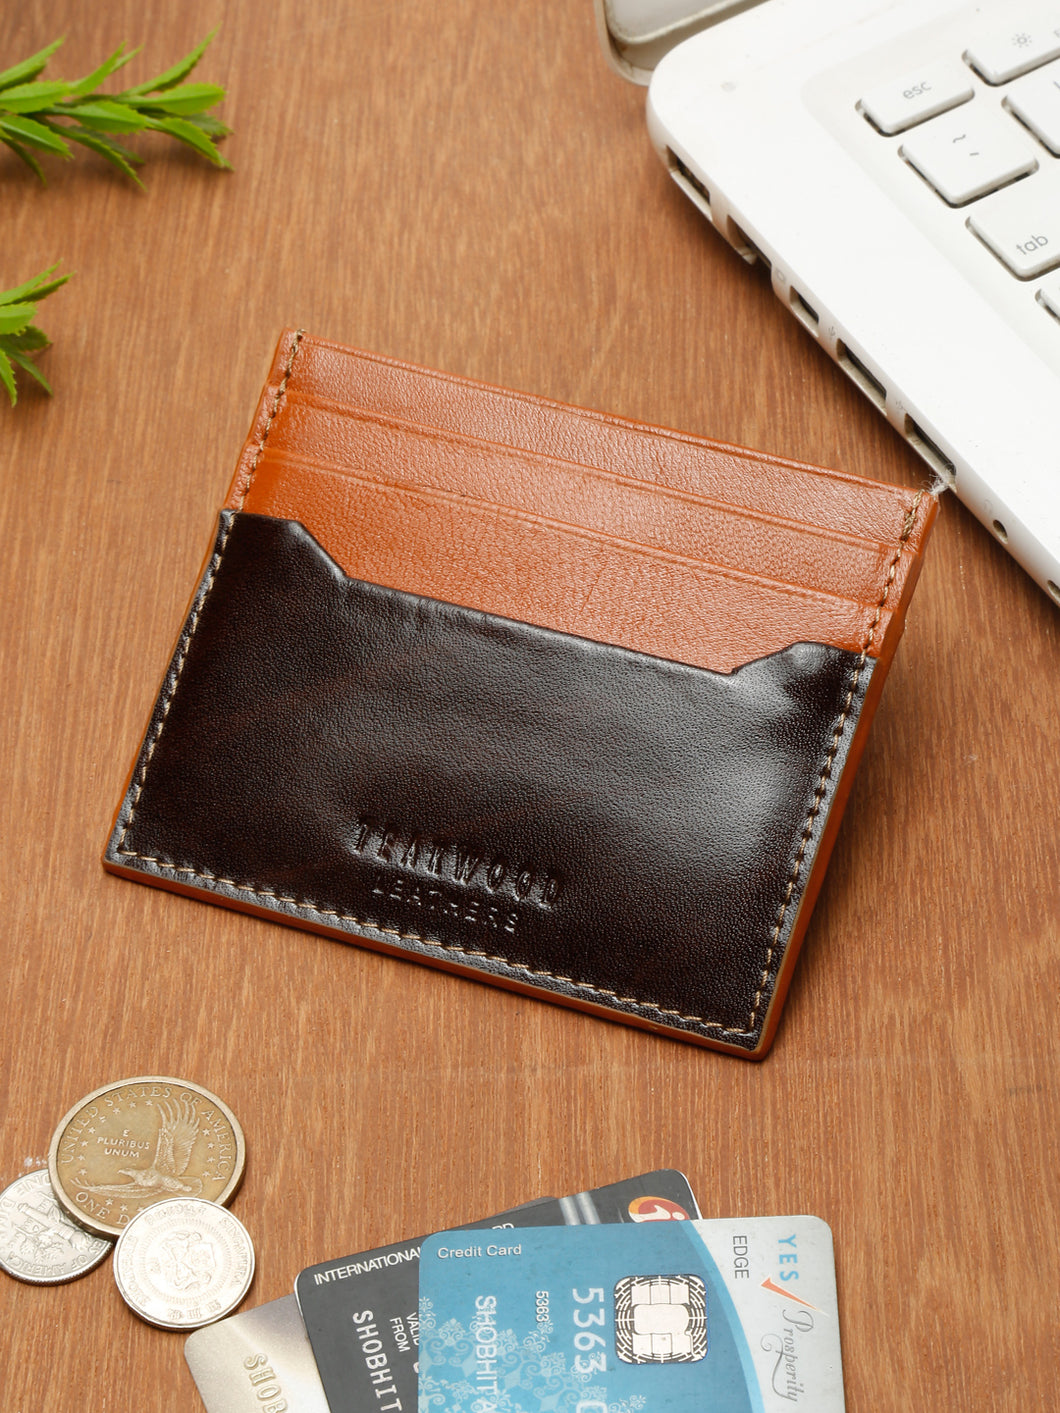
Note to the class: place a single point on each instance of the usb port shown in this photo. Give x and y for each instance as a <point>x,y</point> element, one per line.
<point>805,312</point>
<point>689,183</point>
<point>932,453</point>
<point>866,380</point>
<point>745,246</point>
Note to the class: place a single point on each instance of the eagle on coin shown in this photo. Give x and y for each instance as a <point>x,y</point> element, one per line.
<point>176,1139</point>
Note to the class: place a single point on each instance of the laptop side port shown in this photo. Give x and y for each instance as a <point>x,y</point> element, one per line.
<point>713,208</point>
<point>865,378</point>
<point>689,183</point>
<point>804,311</point>
<point>932,453</point>
<point>745,246</point>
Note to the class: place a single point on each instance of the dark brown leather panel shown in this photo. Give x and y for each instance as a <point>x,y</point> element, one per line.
<point>593,825</point>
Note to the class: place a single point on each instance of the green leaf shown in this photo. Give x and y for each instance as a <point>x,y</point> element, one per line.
<point>30,340</point>
<point>15,317</point>
<point>29,68</point>
<point>36,134</point>
<point>188,98</point>
<point>31,368</point>
<point>47,116</point>
<point>19,338</point>
<point>43,291</point>
<point>187,132</point>
<point>27,157</point>
<point>104,115</point>
<point>7,377</point>
<point>109,66</point>
<point>172,76</point>
<point>117,155</point>
<point>35,288</point>
<point>32,97</point>
<point>211,126</point>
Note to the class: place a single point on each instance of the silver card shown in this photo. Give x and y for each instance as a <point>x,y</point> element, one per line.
<point>257,1362</point>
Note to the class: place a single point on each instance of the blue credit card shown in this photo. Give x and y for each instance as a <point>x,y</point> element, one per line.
<point>733,1316</point>
<point>360,1312</point>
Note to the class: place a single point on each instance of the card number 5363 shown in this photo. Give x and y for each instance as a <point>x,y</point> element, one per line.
<point>591,1346</point>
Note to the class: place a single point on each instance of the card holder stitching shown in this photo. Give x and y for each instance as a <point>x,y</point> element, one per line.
<point>175,673</point>
<point>200,599</point>
<point>826,769</point>
<point>305,905</point>
<point>277,403</point>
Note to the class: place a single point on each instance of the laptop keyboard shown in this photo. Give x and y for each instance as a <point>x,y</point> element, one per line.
<point>983,130</point>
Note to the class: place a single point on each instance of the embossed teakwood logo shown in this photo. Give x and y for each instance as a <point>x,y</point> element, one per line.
<point>412,864</point>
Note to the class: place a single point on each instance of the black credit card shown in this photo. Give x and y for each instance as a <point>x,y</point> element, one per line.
<point>361,1313</point>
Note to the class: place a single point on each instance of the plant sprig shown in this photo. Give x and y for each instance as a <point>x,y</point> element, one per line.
<point>41,117</point>
<point>19,336</point>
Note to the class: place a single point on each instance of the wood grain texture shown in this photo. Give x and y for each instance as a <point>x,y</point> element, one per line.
<point>470,188</point>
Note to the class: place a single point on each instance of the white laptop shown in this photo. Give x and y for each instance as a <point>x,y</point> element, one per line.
<point>896,164</point>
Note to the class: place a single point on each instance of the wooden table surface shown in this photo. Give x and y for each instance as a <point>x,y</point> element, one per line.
<point>469,187</point>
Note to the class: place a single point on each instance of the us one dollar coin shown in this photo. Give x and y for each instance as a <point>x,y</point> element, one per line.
<point>38,1241</point>
<point>183,1263</point>
<point>129,1145</point>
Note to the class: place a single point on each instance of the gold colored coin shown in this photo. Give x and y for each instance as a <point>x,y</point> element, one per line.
<point>129,1145</point>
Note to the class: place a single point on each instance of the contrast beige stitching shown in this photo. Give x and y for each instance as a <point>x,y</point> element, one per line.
<point>276,405</point>
<point>175,674</point>
<point>636,1003</point>
<point>401,936</point>
<point>826,769</point>
<point>200,599</point>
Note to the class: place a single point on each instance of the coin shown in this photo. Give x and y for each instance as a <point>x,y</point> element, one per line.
<point>38,1241</point>
<point>183,1262</point>
<point>141,1141</point>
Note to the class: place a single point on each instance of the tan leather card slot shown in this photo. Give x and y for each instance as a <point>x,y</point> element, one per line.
<point>848,566</point>
<point>532,569</point>
<point>326,374</point>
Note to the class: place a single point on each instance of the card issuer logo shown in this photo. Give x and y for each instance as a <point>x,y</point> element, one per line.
<point>656,1209</point>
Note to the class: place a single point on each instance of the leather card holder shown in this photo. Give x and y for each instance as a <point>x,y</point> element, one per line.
<point>547,698</point>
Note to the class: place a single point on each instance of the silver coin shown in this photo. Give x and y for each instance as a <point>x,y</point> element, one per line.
<point>38,1241</point>
<point>183,1262</point>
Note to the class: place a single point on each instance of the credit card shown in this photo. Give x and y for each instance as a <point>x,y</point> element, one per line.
<point>684,1317</point>
<point>256,1362</point>
<point>361,1313</point>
